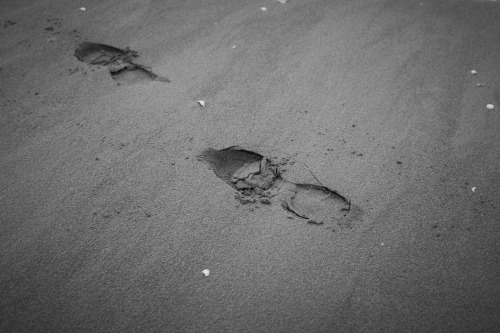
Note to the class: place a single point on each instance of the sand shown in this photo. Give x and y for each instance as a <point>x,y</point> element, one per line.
<point>108,218</point>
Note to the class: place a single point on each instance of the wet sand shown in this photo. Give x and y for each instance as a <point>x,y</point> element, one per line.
<point>109,218</point>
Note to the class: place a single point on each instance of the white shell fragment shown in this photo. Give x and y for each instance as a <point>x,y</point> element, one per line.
<point>263,9</point>
<point>490,106</point>
<point>206,272</point>
<point>473,72</point>
<point>474,189</point>
<point>201,102</point>
<point>480,84</point>
<point>83,9</point>
<point>282,1</point>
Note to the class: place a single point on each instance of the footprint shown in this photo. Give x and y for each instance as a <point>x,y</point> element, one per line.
<point>119,62</point>
<point>259,178</point>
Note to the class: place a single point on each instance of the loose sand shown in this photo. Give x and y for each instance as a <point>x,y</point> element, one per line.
<point>108,218</point>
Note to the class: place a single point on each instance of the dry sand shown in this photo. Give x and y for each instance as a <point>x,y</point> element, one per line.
<point>108,218</point>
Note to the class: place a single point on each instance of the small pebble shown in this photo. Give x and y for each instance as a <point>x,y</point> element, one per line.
<point>201,102</point>
<point>490,106</point>
<point>206,272</point>
<point>263,9</point>
<point>83,9</point>
<point>473,72</point>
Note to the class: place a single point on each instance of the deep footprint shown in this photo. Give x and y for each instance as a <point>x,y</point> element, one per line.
<point>119,62</point>
<point>258,178</point>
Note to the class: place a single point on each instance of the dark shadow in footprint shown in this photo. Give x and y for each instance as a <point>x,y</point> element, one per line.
<point>258,178</point>
<point>119,62</point>
<point>227,162</point>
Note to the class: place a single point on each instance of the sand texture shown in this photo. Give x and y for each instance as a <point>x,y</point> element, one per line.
<point>342,176</point>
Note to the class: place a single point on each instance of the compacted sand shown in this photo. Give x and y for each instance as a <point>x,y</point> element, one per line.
<point>109,215</point>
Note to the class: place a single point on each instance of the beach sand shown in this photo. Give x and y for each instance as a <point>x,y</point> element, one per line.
<point>109,216</point>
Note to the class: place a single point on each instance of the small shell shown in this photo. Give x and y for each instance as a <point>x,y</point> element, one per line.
<point>206,272</point>
<point>83,9</point>
<point>490,106</point>
<point>473,72</point>
<point>201,102</point>
<point>263,9</point>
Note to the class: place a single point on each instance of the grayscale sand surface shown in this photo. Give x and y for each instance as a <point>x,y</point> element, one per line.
<point>109,216</point>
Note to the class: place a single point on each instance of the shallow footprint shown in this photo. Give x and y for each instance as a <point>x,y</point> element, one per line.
<point>319,203</point>
<point>119,62</point>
